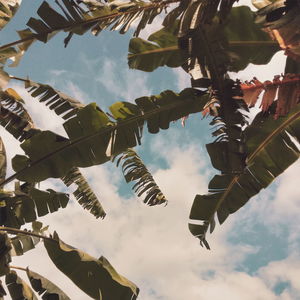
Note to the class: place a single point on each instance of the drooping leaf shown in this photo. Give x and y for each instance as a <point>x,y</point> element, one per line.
<point>18,288</point>
<point>44,287</point>
<point>5,258</point>
<point>134,170</point>
<point>2,161</point>
<point>29,202</point>
<point>96,277</point>
<point>8,8</point>
<point>54,99</point>
<point>84,194</point>
<point>266,140</point>
<point>93,137</point>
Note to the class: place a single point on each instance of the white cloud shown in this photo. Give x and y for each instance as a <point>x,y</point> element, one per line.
<point>123,83</point>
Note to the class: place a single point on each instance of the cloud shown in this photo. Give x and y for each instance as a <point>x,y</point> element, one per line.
<point>123,83</point>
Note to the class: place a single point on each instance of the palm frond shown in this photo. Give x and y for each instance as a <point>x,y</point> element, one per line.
<point>134,170</point>
<point>84,194</point>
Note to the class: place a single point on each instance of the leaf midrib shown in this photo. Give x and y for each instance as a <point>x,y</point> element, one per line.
<point>231,43</point>
<point>135,119</point>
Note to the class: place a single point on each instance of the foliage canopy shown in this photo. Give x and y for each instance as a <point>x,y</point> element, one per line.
<point>208,39</point>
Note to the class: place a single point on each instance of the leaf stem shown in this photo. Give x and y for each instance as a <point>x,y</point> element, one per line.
<point>18,268</point>
<point>19,231</point>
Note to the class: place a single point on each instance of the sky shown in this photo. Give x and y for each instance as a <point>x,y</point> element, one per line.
<point>255,253</point>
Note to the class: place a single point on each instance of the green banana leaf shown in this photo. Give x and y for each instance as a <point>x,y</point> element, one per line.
<point>18,288</point>
<point>54,99</point>
<point>93,137</point>
<point>159,50</point>
<point>84,193</point>
<point>22,243</point>
<point>270,152</point>
<point>96,277</point>
<point>29,203</point>
<point>243,44</point>
<point>134,170</point>
<point>45,288</point>
<point>5,257</point>
<point>75,20</point>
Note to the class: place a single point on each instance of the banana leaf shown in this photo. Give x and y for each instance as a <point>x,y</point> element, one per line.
<point>271,147</point>
<point>96,277</point>
<point>243,44</point>
<point>134,170</point>
<point>18,288</point>
<point>54,99</point>
<point>45,288</point>
<point>84,194</point>
<point>5,257</point>
<point>28,204</point>
<point>94,137</point>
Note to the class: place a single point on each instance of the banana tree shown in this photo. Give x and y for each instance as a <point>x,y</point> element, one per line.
<point>208,39</point>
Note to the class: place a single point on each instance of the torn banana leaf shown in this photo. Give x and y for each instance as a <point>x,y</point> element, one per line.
<point>18,288</point>
<point>84,193</point>
<point>31,203</point>
<point>61,103</point>
<point>45,288</point>
<point>134,170</point>
<point>94,137</point>
<point>22,243</point>
<point>96,277</point>
<point>266,141</point>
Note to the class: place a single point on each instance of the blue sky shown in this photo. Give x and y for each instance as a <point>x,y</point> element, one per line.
<point>254,253</point>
